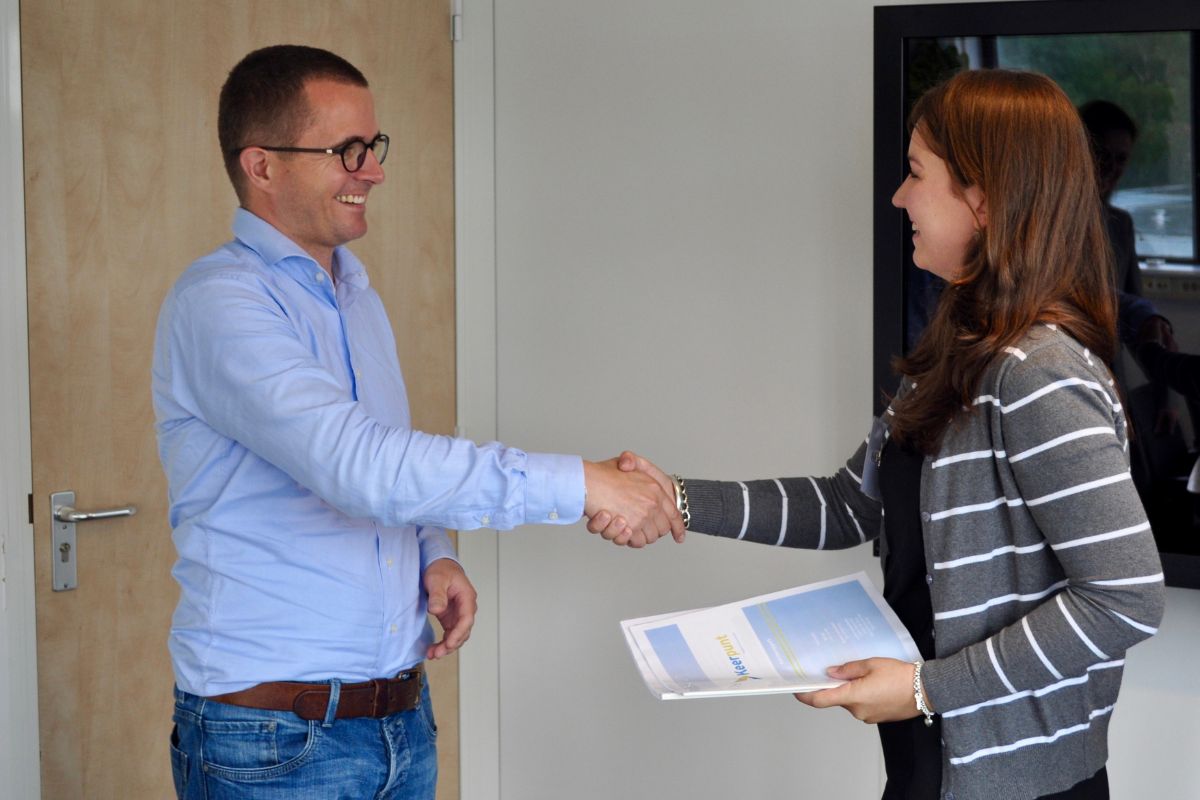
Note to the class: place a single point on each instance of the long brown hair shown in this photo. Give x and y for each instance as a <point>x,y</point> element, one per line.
<point>1042,256</point>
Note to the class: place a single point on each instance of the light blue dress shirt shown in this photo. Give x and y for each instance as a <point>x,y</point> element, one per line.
<point>304,506</point>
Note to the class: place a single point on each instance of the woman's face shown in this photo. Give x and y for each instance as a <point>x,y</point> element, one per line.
<point>944,217</point>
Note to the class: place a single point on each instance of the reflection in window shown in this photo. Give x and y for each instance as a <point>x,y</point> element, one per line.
<point>1146,74</point>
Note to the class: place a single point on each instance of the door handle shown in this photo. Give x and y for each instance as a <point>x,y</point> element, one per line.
<point>72,514</point>
<point>62,541</point>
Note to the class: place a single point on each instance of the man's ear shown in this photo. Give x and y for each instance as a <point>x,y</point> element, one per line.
<point>256,166</point>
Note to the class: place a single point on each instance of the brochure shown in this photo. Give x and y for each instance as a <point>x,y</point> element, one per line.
<point>779,642</point>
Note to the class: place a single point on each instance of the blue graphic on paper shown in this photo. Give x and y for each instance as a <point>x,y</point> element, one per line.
<point>805,633</point>
<point>676,657</point>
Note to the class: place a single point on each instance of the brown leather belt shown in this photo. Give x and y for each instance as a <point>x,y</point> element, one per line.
<point>377,698</point>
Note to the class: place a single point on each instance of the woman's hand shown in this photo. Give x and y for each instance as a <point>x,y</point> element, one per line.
<point>879,690</point>
<point>628,507</point>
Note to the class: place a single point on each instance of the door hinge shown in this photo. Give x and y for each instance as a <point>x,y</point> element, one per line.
<point>456,20</point>
<point>30,509</point>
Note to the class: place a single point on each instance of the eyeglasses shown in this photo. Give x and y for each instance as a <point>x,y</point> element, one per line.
<point>353,152</point>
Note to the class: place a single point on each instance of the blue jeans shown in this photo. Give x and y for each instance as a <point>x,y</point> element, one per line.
<point>221,752</point>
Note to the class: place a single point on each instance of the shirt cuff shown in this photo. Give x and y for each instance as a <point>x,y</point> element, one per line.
<point>435,543</point>
<point>554,489</point>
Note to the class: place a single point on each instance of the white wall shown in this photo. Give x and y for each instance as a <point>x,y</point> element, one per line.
<point>682,265</point>
<point>667,282</point>
<point>18,678</point>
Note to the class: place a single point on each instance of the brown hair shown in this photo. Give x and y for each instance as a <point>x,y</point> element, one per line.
<point>1043,255</point>
<point>262,102</point>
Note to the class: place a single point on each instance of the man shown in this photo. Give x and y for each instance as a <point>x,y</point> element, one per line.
<point>307,513</point>
<point>1113,133</point>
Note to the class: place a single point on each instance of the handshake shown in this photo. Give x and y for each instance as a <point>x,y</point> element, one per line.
<point>631,502</point>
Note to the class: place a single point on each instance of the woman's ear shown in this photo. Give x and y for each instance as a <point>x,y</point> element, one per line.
<point>978,204</point>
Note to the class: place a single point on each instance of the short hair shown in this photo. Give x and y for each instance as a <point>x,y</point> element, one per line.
<point>263,102</point>
<point>1102,116</point>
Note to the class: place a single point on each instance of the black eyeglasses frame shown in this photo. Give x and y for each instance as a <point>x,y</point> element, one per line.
<point>339,151</point>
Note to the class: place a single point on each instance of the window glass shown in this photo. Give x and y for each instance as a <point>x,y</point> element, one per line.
<point>1148,76</point>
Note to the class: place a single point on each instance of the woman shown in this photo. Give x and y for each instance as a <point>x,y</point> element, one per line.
<point>1015,549</point>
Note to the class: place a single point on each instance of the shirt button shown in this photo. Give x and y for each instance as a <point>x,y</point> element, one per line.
<point>318,276</point>
<point>553,515</point>
<point>393,629</point>
<point>924,516</point>
<point>486,519</point>
<point>389,562</point>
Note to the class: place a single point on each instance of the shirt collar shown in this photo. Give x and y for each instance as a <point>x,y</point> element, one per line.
<point>348,270</point>
<point>265,239</point>
<point>273,247</point>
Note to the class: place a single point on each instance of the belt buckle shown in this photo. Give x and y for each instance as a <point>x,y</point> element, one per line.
<point>419,674</point>
<point>405,690</point>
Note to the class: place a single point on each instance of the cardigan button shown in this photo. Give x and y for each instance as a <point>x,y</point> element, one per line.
<point>929,580</point>
<point>924,516</point>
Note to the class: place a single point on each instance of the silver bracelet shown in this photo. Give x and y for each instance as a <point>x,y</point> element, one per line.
<point>681,501</point>
<point>919,695</point>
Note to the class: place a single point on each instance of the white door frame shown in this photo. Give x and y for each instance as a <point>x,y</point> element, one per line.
<point>475,314</point>
<point>19,760</point>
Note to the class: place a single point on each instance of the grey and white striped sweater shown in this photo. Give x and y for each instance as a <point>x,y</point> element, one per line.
<point>1041,565</point>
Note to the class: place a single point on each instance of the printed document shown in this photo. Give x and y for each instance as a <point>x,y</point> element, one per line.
<point>779,642</point>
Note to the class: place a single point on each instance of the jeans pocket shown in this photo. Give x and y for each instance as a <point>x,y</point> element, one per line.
<point>425,713</point>
<point>179,765</point>
<point>257,749</point>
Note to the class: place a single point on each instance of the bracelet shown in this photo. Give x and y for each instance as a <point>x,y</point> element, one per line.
<point>919,695</point>
<point>681,500</point>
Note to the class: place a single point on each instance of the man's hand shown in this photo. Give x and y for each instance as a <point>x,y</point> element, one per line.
<point>452,601</point>
<point>1158,330</point>
<point>637,508</point>
<point>879,690</point>
<point>605,523</point>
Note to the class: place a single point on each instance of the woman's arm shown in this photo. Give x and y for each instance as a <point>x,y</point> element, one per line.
<point>814,513</point>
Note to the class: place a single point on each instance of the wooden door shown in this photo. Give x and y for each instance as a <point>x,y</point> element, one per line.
<point>124,187</point>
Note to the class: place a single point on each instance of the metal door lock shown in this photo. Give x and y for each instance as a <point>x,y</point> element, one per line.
<point>62,509</point>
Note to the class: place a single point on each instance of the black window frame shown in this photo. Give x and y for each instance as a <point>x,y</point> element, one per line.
<point>894,27</point>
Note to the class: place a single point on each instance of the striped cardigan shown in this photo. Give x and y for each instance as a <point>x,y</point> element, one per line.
<point>1040,563</point>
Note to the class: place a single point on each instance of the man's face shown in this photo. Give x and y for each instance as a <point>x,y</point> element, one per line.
<point>1113,151</point>
<point>318,204</point>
